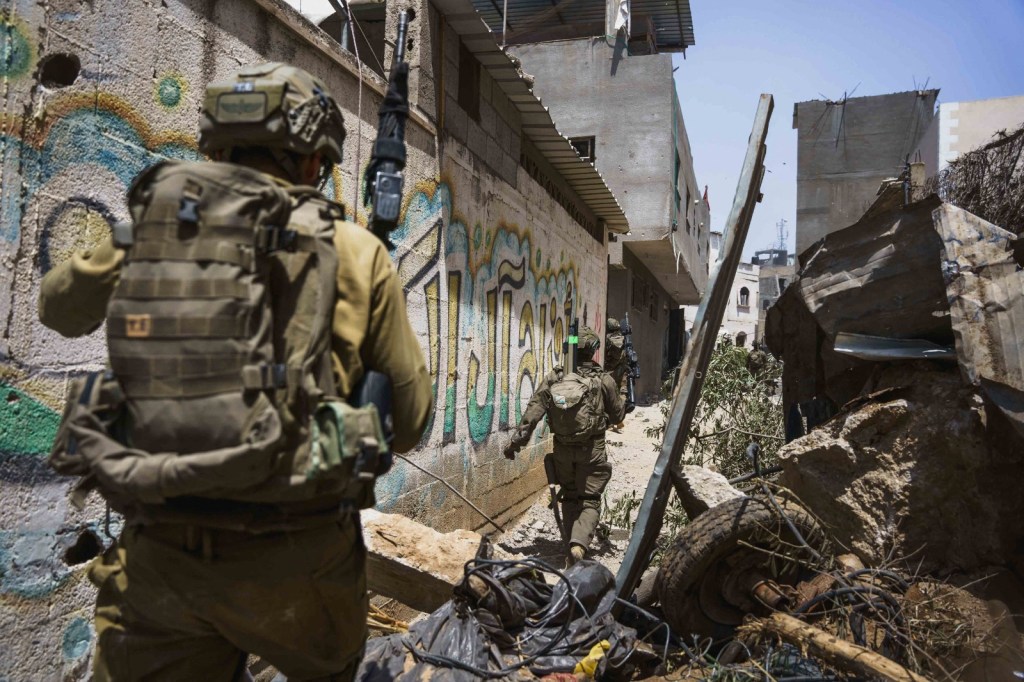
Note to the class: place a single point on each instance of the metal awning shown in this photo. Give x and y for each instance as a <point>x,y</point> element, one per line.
<point>672,20</point>
<point>537,126</point>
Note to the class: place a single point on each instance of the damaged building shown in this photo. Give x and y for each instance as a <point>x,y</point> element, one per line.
<point>901,364</point>
<point>595,66</point>
<point>502,242</point>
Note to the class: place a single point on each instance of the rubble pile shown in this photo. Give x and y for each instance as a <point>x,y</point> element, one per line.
<point>900,342</point>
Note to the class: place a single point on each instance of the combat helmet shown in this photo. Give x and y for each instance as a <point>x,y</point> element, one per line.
<point>588,342</point>
<point>272,105</point>
<point>613,325</point>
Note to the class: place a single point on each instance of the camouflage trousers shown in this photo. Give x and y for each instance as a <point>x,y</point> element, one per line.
<point>582,471</point>
<point>180,602</point>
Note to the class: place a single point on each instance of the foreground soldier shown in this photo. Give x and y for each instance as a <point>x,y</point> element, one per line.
<point>579,406</point>
<point>242,310</point>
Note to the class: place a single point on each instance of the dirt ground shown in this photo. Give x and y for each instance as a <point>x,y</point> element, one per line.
<point>632,455</point>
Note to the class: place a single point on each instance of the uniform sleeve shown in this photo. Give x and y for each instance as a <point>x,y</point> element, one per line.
<point>534,412</point>
<point>73,296</point>
<point>614,405</point>
<point>390,347</point>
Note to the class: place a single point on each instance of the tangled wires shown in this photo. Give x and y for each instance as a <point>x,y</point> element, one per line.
<point>988,182</point>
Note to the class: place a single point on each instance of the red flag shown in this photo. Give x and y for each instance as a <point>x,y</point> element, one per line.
<point>706,202</point>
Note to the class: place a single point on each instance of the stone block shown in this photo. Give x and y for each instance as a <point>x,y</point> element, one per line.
<point>701,489</point>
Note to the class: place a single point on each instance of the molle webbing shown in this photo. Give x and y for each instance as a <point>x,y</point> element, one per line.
<point>196,250</point>
<point>171,288</point>
<point>145,326</point>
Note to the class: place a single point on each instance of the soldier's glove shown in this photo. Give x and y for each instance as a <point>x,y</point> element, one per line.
<point>510,451</point>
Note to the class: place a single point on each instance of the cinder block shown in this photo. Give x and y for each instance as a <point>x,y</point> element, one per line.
<point>455,120</point>
<point>477,140</point>
<point>488,118</point>
<point>485,85</point>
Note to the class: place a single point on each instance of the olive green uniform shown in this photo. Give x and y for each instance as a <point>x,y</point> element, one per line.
<point>582,470</point>
<point>615,359</point>
<point>188,590</point>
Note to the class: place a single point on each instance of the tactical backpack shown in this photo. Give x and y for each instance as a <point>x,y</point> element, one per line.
<point>577,408</point>
<point>220,382</point>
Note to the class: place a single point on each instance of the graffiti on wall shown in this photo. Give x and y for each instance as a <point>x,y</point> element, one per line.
<point>490,298</point>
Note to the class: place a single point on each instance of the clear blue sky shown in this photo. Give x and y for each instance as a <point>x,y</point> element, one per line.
<point>800,50</point>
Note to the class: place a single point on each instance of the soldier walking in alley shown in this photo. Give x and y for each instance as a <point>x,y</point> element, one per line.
<point>615,360</point>
<point>242,311</point>
<point>579,406</point>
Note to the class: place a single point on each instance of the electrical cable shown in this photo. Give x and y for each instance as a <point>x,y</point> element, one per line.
<point>449,486</point>
<point>476,565</point>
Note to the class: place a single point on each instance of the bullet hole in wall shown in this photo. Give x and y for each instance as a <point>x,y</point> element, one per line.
<point>86,547</point>
<point>59,70</point>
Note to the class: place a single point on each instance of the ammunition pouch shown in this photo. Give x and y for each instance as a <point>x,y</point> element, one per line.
<point>349,443</point>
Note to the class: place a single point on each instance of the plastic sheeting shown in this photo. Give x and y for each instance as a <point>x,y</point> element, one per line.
<point>505,617</point>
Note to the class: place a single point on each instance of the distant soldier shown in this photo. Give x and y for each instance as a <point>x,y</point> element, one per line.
<point>579,406</point>
<point>614,354</point>
<point>242,310</point>
<point>615,362</point>
<point>757,361</point>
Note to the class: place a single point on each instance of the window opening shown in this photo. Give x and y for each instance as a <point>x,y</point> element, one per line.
<point>469,82</point>
<point>585,147</point>
<point>744,297</point>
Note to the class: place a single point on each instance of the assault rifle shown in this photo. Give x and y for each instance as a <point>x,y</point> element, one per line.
<point>570,346</point>
<point>387,161</point>
<point>384,191</point>
<point>632,362</point>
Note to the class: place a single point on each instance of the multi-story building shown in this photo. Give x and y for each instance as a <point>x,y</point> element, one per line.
<point>777,268</point>
<point>961,127</point>
<point>606,72</point>
<point>740,322</point>
<point>503,240</point>
<point>845,149</point>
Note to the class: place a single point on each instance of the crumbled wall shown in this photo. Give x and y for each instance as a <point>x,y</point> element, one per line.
<point>492,271</point>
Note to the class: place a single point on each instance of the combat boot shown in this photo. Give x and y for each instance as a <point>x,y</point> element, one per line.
<point>576,553</point>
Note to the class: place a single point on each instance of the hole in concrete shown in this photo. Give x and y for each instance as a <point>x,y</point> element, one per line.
<point>59,70</point>
<point>12,397</point>
<point>412,14</point>
<point>86,547</point>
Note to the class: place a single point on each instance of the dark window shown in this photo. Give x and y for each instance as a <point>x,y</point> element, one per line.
<point>741,339</point>
<point>469,82</point>
<point>585,147</point>
<point>767,304</point>
<point>782,284</point>
<point>745,297</point>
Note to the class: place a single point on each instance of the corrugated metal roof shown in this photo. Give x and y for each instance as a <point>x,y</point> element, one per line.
<point>672,19</point>
<point>537,125</point>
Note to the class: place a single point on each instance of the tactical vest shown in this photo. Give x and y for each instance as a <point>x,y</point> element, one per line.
<point>220,382</point>
<point>576,414</point>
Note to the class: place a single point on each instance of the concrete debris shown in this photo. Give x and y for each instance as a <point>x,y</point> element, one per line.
<point>915,470</point>
<point>701,489</point>
<point>413,563</point>
<point>913,454</point>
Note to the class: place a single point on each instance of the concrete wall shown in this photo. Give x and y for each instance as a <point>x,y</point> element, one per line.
<point>635,290</point>
<point>492,270</point>
<point>844,151</point>
<point>629,105</point>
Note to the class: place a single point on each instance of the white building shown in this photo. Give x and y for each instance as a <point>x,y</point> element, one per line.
<point>961,127</point>
<point>740,322</point>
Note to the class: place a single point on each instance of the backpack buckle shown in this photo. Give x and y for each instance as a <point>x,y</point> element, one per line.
<point>272,238</point>
<point>188,209</point>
